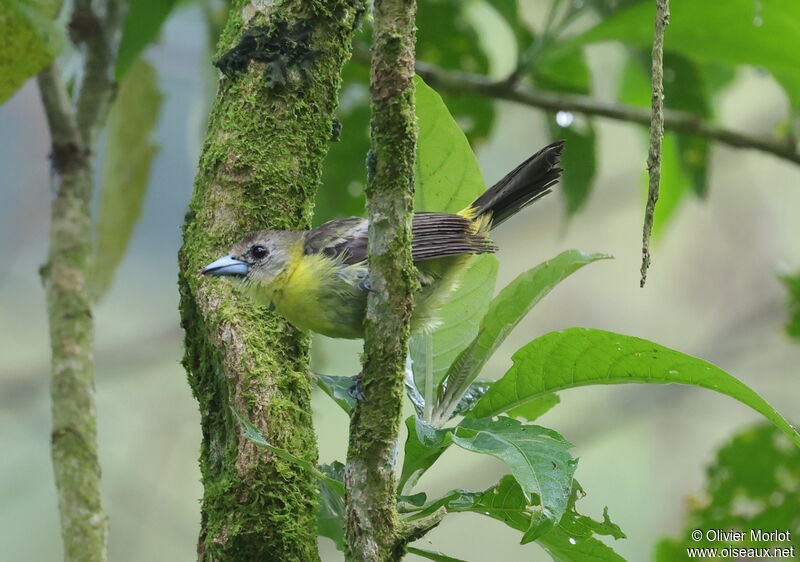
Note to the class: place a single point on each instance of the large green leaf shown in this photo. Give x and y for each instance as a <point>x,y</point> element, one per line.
<point>460,317</point>
<point>752,485</point>
<point>574,538</point>
<point>340,389</point>
<point>538,458</point>
<point>130,150</point>
<point>142,27</point>
<point>424,445</point>
<point>29,41</point>
<point>581,357</point>
<point>739,33</point>
<point>446,172</point>
<point>504,313</point>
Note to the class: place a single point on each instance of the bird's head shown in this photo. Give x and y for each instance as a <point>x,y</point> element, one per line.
<point>258,258</point>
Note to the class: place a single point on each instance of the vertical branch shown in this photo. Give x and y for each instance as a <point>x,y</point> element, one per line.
<point>656,131</point>
<point>69,311</point>
<point>73,130</point>
<point>268,132</point>
<point>372,524</point>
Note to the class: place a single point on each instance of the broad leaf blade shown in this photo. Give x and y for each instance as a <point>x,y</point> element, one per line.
<point>424,445</point>
<point>446,173</point>
<point>130,150</point>
<point>506,310</point>
<point>538,458</point>
<point>582,357</point>
<point>29,41</point>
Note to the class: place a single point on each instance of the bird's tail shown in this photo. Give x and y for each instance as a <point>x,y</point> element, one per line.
<point>522,186</point>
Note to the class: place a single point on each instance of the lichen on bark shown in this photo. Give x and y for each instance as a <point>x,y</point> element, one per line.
<point>260,168</point>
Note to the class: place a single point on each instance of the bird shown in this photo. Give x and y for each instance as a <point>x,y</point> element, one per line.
<point>318,279</point>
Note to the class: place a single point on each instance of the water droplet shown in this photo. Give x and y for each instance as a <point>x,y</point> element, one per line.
<point>564,118</point>
<point>572,541</point>
<point>758,21</point>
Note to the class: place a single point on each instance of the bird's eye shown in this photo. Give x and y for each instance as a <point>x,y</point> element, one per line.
<point>258,252</point>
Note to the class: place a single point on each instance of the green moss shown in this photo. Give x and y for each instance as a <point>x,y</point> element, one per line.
<point>260,168</point>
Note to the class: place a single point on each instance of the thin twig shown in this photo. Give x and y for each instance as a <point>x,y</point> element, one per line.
<point>656,132</point>
<point>457,82</point>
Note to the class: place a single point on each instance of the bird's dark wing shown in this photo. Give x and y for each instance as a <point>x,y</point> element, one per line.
<point>434,235</point>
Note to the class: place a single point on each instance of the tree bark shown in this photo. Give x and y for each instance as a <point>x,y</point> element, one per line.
<point>374,531</point>
<point>268,132</point>
<point>74,130</point>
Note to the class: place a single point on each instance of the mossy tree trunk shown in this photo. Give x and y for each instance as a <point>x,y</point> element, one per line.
<point>268,132</point>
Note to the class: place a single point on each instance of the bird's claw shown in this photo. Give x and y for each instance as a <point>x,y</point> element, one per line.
<point>355,389</point>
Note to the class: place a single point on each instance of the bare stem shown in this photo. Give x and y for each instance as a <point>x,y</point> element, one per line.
<point>74,438</point>
<point>456,82</point>
<point>373,530</point>
<point>656,132</point>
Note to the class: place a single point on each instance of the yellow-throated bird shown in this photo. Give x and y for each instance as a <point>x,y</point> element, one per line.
<point>318,280</point>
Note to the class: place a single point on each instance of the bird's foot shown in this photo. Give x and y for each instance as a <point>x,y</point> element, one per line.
<point>355,389</point>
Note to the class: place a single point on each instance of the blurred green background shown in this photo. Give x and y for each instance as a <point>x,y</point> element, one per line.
<point>712,292</point>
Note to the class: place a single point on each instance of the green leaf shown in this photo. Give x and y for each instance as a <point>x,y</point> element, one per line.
<point>129,154</point>
<point>574,538</point>
<point>432,555</point>
<point>424,445</point>
<point>142,27</point>
<point>331,508</point>
<point>582,357</point>
<point>504,313</point>
<point>339,389</point>
<point>743,33</point>
<point>578,160</point>
<point>751,485</point>
<point>792,284</point>
<point>538,458</point>
<point>29,41</point>
<point>254,434</point>
<point>446,173</point>
<point>459,319</point>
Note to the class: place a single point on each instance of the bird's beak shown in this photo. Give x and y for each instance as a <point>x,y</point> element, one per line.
<point>226,266</point>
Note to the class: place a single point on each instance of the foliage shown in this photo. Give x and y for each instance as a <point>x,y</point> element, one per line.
<point>752,484</point>
<point>29,41</point>
<point>129,154</point>
<point>143,24</point>
<point>538,495</point>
